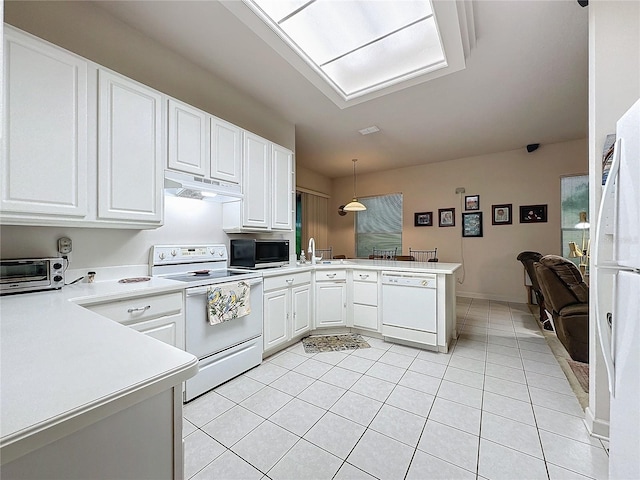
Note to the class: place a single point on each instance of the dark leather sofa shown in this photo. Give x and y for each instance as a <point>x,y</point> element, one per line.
<point>566,298</point>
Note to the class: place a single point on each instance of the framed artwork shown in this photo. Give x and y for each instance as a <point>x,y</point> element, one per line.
<point>423,219</point>
<point>501,214</point>
<point>533,213</point>
<point>472,224</point>
<point>472,202</point>
<point>446,217</point>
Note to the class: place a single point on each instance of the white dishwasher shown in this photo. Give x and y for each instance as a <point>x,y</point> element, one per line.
<point>409,307</point>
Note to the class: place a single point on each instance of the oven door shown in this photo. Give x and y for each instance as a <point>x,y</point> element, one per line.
<point>203,339</point>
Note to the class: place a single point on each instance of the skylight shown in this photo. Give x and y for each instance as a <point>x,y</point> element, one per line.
<point>358,46</point>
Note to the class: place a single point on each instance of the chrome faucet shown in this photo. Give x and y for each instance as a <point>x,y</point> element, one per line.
<point>312,251</point>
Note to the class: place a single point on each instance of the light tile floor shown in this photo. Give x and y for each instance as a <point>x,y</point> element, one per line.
<point>497,407</point>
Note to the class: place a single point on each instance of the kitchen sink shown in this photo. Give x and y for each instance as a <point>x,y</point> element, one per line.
<point>334,262</point>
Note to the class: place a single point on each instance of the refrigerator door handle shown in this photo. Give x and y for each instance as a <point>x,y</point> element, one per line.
<point>604,331</point>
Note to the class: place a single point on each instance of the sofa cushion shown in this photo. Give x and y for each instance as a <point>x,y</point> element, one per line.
<point>575,309</point>
<point>569,274</point>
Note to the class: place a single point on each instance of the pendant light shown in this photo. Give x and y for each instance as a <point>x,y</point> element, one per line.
<point>354,205</point>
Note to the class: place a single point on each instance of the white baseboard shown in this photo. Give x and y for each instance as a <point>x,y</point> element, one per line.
<point>597,428</point>
<point>485,296</point>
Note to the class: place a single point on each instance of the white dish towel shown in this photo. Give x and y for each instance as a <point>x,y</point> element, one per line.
<point>228,301</point>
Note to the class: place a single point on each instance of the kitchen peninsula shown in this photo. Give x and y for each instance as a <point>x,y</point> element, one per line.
<point>84,396</point>
<point>407,302</point>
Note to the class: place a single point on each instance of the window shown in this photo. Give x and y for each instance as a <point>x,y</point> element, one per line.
<point>380,225</point>
<point>574,197</point>
<point>360,47</point>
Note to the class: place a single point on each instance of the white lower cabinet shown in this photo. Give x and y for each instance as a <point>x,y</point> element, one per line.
<point>331,298</point>
<point>159,316</point>
<point>287,308</point>
<point>364,288</point>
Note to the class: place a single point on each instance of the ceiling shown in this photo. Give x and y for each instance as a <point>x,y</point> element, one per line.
<point>525,81</point>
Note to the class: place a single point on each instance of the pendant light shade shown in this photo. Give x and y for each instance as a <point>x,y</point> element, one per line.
<point>354,205</point>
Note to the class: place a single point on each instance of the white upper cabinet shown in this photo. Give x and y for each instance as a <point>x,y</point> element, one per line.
<point>188,139</point>
<point>256,185</point>
<point>130,150</point>
<point>282,189</point>
<point>267,185</point>
<point>45,152</point>
<point>226,151</point>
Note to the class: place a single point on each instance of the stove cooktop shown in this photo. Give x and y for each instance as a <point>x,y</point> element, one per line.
<point>213,275</point>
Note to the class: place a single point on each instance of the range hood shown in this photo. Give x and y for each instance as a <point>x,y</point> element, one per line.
<point>184,185</point>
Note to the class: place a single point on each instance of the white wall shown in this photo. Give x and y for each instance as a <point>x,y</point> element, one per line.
<point>186,220</point>
<point>515,177</point>
<point>614,85</point>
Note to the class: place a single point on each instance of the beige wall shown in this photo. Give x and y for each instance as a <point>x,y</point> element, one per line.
<point>310,180</point>
<point>517,177</point>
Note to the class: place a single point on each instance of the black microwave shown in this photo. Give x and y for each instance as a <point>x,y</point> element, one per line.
<point>252,253</point>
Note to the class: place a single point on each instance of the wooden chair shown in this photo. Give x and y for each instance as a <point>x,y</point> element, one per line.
<point>385,254</point>
<point>405,258</point>
<point>424,255</point>
<point>326,253</point>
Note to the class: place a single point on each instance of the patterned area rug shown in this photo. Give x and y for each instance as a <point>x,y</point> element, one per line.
<point>333,343</point>
<point>582,373</point>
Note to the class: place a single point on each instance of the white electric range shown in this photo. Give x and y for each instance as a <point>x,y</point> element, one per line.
<point>224,350</point>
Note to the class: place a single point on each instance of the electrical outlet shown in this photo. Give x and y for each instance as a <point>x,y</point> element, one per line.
<point>460,190</point>
<point>64,245</point>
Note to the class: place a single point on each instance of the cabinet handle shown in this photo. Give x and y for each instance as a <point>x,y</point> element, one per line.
<point>289,281</point>
<point>331,275</point>
<point>139,309</point>
<point>364,276</point>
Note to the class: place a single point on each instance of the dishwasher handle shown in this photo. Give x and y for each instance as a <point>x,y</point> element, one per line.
<point>418,281</point>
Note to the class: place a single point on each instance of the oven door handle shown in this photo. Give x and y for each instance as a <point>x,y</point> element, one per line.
<point>202,290</point>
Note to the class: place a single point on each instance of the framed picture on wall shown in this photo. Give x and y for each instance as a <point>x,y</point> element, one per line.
<point>472,224</point>
<point>446,217</point>
<point>472,202</point>
<point>501,214</point>
<point>533,213</point>
<point>423,219</point>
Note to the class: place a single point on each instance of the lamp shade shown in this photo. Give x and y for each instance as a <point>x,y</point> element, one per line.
<point>583,224</point>
<point>354,206</point>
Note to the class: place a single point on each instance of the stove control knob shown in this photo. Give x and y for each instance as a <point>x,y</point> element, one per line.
<point>161,256</point>
<point>220,253</point>
<point>173,253</point>
<point>212,251</point>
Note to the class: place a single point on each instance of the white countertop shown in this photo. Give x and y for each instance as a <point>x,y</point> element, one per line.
<point>65,367</point>
<point>379,265</point>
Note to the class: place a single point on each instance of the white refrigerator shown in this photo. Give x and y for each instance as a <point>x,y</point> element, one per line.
<point>616,283</point>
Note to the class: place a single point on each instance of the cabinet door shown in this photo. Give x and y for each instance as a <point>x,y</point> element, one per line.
<point>282,193</point>
<point>226,151</point>
<point>169,329</point>
<point>331,304</point>
<point>45,157</point>
<point>188,150</point>
<point>365,316</point>
<point>276,317</point>
<point>130,150</point>
<point>301,301</point>
<point>256,174</point>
